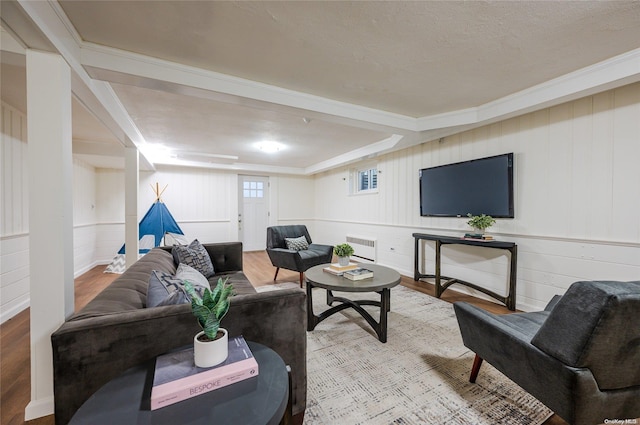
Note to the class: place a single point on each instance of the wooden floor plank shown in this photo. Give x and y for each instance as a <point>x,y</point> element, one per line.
<point>15,354</point>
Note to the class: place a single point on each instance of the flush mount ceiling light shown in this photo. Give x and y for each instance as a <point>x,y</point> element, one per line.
<point>269,146</point>
<point>156,152</point>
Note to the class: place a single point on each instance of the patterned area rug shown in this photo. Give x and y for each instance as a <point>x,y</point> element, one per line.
<point>420,376</point>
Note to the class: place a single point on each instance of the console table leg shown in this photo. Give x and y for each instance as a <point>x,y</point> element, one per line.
<point>438,271</point>
<point>416,270</point>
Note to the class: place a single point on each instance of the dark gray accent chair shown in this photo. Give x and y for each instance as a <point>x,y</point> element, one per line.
<point>580,356</point>
<point>299,261</point>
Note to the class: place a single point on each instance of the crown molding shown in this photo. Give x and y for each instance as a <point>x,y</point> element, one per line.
<point>605,75</point>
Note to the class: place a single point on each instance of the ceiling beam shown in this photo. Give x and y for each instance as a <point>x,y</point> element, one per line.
<point>33,20</point>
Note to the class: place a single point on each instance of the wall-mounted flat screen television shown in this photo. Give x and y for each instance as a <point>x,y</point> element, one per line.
<point>479,186</point>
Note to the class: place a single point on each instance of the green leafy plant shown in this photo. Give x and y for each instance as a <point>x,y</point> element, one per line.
<point>211,307</point>
<point>481,222</point>
<point>343,250</point>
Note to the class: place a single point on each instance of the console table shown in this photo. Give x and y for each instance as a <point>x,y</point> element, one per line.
<point>509,300</point>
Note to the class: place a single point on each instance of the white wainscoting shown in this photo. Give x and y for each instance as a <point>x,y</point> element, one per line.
<point>14,275</point>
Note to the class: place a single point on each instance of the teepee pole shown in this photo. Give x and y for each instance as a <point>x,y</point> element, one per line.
<point>158,192</point>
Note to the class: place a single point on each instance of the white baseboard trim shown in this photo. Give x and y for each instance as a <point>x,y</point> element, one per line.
<point>87,268</point>
<point>39,408</point>
<point>11,312</point>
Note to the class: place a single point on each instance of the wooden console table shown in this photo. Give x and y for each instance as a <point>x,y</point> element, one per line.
<point>509,300</point>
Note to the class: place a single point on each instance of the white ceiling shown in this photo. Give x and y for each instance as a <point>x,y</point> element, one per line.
<point>333,81</point>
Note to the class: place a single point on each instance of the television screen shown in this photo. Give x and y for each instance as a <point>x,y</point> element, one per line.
<point>479,186</point>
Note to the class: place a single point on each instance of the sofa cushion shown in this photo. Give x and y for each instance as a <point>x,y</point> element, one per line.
<point>129,291</point>
<point>297,244</point>
<point>241,285</point>
<point>194,255</point>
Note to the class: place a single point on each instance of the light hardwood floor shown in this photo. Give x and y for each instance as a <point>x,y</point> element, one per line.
<point>15,376</point>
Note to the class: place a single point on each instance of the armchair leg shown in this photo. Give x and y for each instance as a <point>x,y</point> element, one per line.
<point>277,270</point>
<point>301,278</point>
<point>477,362</point>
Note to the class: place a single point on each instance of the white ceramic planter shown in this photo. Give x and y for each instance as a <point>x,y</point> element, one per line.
<point>343,261</point>
<point>210,353</point>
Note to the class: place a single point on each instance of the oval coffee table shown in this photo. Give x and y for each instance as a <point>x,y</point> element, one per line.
<point>260,400</point>
<point>381,283</point>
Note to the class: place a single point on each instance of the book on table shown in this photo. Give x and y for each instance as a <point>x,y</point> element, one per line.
<point>177,378</point>
<point>339,268</point>
<point>358,274</point>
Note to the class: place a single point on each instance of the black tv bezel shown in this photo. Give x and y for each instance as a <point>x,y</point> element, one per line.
<point>509,156</point>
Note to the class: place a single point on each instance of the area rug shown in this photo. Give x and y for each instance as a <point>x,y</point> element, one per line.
<point>420,376</point>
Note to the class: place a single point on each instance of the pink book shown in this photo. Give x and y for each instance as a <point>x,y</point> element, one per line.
<point>177,378</point>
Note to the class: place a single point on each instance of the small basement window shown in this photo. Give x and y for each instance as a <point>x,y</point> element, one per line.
<point>364,180</point>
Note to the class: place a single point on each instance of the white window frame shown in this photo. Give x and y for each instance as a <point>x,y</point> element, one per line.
<point>354,179</point>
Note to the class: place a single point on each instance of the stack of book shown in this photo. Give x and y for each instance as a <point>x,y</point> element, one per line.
<point>358,274</point>
<point>177,378</point>
<point>338,270</point>
<point>479,236</point>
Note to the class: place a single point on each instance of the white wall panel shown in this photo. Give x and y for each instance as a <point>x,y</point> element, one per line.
<point>14,210</point>
<point>14,213</point>
<point>202,201</point>
<point>14,187</point>
<point>577,196</point>
<point>84,217</point>
<point>192,194</point>
<point>14,275</point>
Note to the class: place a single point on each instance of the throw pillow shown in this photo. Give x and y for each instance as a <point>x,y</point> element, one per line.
<point>165,289</point>
<point>194,255</point>
<point>297,244</point>
<point>197,279</point>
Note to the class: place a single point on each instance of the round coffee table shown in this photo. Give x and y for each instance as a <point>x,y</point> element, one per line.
<point>259,401</point>
<point>381,283</point>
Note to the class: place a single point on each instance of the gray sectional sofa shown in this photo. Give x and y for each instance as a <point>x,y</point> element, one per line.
<point>116,331</point>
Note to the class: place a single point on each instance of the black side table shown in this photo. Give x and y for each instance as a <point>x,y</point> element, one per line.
<point>257,401</point>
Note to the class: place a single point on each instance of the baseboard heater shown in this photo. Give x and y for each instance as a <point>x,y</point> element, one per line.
<point>364,247</point>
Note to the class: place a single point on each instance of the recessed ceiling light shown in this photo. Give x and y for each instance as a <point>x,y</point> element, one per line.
<point>269,146</point>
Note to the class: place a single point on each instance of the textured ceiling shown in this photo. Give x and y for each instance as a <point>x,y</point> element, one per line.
<point>412,58</point>
<point>334,81</point>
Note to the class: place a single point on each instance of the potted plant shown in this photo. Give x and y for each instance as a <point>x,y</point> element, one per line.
<point>480,222</point>
<point>343,252</point>
<point>211,345</point>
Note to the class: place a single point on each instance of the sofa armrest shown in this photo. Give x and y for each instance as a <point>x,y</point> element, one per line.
<point>90,352</point>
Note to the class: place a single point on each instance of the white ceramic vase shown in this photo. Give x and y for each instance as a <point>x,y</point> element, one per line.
<point>343,261</point>
<point>210,353</point>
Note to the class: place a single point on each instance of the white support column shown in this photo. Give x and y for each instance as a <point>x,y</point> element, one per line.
<point>50,172</point>
<point>131,184</point>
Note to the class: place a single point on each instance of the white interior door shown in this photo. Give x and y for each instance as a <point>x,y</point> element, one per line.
<point>253,212</point>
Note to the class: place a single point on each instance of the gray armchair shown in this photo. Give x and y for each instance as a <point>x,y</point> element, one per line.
<point>291,259</point>
<point>580,356</point>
